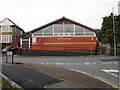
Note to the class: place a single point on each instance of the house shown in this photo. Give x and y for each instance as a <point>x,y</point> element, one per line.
<point>10,33</point>
<point>63,35</point>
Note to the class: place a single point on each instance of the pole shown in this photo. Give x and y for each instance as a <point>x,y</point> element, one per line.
<point>119,72</point>
<point>12,59</point>
<point>6,58</point>
<point>119,8</point>
<point>114,32</point>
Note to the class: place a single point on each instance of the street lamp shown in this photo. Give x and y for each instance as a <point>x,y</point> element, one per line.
<point>114,32</point>
<point>119,8</point>
<point>114,26</point>
<point>115,43</point>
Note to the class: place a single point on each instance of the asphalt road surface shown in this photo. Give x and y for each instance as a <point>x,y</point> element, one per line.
<point>26,77</point>
<point>100,66</point>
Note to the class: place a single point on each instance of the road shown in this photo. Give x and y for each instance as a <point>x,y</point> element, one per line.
<point>100,66</point>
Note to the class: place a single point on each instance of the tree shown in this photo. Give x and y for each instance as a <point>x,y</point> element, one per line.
<point>107,34</point>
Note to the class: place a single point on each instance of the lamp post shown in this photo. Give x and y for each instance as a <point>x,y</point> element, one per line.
<point>119,8</point>
<point>114,32</point>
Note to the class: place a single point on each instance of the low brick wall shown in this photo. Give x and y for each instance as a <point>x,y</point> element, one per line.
<point>28,52</point>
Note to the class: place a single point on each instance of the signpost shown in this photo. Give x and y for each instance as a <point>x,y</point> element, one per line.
<point>6,58</point>
<point>10,53</point>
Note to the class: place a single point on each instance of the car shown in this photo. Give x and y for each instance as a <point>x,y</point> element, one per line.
<point>8,48</point>
<point>118,46</point>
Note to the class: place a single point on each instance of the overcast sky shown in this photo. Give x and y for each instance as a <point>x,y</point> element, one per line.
<point>30,14</point>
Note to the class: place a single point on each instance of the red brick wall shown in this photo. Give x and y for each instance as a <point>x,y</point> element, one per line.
<point>65,43</point>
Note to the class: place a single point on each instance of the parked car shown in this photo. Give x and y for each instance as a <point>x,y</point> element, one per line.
<point>8,48</point>
<point>118,46</point>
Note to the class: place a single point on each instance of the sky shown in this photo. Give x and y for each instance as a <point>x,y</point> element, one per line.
<point>30,14</point>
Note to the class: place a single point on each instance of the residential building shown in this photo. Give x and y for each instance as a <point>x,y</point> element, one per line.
<point>10,33</point>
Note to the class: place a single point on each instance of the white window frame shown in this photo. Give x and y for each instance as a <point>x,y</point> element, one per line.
<point>21,32</point>
<point>7,40</point>
<point>75,32</point>
<point>34,40</point>
<point>6,28</point>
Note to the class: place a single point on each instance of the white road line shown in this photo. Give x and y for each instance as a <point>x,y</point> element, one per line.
<point>88,63</point>
<point>94,63</point>
<point>77,63</point>
<point>110,72</point>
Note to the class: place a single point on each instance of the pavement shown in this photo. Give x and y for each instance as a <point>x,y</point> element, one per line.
<point>28,78</point>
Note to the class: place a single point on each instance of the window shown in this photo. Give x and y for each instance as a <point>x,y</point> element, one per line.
<point>6,29</point>
<point>34,40</point>
<point>21,32</point>
<point>63,30</point>
<point>6,38</point>
<point>38,33</point>
<point>79,31</point>
<point>58,28</point>
<point>68,28</point>
<point>89,33</point>
<point>48,31</point>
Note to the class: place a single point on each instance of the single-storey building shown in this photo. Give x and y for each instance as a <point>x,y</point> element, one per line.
<point>63,35</point>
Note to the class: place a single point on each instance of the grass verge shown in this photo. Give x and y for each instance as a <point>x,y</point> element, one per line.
<point>6,85</point>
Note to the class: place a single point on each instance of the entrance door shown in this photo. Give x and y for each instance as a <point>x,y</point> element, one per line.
<point>25,44</point>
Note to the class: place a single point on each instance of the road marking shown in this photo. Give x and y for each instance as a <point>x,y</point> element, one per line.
<point>110,72</point>
<point>94,63</point>
<point>107,63</point>
<point>77,63</point>
<point>88,63</point>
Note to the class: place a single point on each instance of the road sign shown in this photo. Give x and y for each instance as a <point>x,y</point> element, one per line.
<point>10,53</point>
